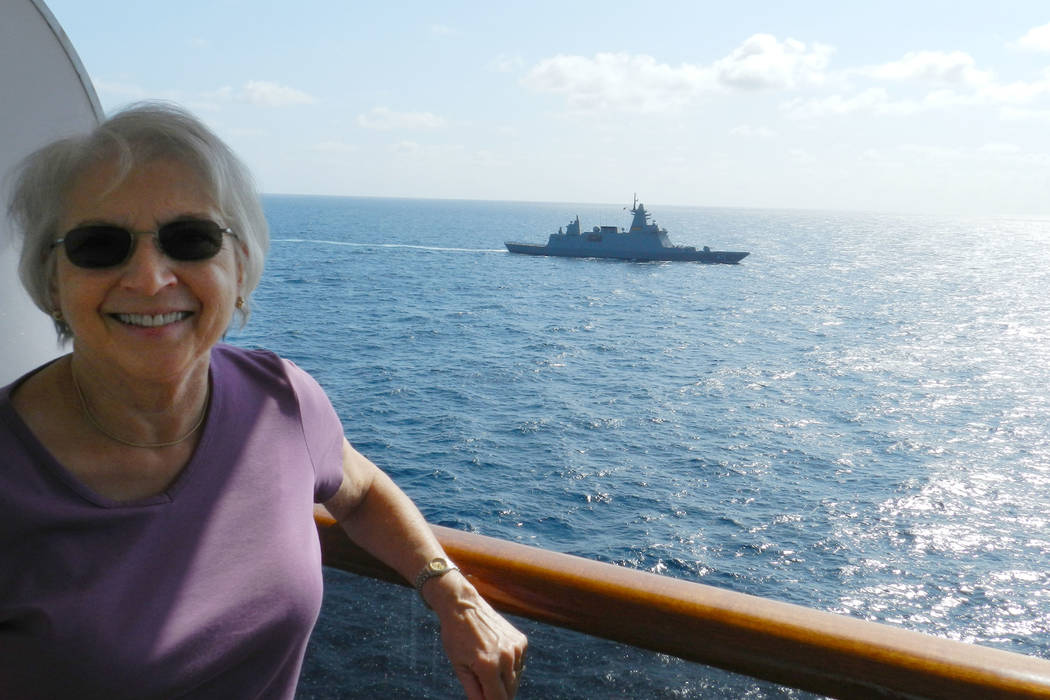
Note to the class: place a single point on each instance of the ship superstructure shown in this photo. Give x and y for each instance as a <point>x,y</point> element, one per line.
<point>643,241</point>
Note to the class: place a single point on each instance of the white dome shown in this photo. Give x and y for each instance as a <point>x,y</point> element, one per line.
<point>47,94</point>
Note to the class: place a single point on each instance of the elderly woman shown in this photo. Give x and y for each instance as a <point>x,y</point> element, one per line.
<point>156,485</point>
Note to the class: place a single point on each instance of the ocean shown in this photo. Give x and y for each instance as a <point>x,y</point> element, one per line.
<point>855,418</point>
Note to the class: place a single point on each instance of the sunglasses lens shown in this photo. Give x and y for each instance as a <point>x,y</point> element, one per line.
<point>97,246</point>
<point>191,239</point>
<point>107,246</point>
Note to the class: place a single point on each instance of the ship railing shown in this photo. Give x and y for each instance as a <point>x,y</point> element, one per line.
<point>792,645</point>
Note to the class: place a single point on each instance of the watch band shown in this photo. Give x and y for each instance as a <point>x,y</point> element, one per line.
<point>435,568</point>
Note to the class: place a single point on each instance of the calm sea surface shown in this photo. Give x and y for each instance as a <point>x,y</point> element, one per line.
<point>855,418</point>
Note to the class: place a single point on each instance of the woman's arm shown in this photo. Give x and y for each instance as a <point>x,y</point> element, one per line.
<point>486,651</point>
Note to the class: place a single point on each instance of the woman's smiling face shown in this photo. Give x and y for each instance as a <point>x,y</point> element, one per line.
<point>151,317</point>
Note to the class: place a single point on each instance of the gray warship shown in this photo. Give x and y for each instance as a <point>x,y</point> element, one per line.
<point>644,241</point>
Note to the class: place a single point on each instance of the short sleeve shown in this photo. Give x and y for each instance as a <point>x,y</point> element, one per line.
<point>322,429</point>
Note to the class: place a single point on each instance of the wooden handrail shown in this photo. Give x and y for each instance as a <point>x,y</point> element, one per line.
<point>788,644</point>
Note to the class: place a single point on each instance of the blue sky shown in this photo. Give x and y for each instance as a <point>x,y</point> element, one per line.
<point>940,107</point>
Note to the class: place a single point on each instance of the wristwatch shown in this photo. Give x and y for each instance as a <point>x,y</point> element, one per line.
<point>436,567</point>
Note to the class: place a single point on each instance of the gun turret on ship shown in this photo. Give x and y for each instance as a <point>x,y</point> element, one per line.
<point>644,241</point>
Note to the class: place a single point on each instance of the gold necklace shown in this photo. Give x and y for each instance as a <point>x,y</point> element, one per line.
<point>129,443</point>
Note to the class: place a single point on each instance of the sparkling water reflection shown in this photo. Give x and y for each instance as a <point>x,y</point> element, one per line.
<point>855,418</point>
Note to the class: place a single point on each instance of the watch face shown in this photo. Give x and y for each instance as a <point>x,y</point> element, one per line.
<point>438,565</point>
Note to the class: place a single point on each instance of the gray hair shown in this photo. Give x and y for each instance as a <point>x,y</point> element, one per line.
<point>136,135</point>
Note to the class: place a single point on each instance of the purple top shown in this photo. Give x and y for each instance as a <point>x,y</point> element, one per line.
<point>209,589</point>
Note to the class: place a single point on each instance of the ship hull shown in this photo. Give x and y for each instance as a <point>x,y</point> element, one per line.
<point>666,254</point>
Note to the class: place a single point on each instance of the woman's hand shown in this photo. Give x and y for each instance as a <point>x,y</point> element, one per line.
<point>486,651</point>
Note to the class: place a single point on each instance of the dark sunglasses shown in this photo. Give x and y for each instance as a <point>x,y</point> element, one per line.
<point>105,245</point>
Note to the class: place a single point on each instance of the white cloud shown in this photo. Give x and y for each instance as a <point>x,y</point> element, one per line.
<point>505,63</point>
<point>959,83</point>
<point>801,156</point>
<point>386,119</point>
<point>1035,39</point>
<point>875,100</point>
<point>954,67</point>
<point>1025,114</point>
<point>999,149</point>
<point>636,83</point>
<point>956,79</point>
<point>946,99</point>
<point>748,131</point>
<point>640,83</point>
<point>875,156</point>
<point>921,156</point>
<point>1015,93</point>
<point>406,148</point>
<point>765,62</point>
<point>933,153</point>
<point>262,92</point>
<point>991,153</point>
<point>269,94</point>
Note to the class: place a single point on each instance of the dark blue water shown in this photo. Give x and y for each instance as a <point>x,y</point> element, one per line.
<point>855,418</point>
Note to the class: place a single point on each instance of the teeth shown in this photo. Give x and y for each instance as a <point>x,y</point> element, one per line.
<point>150,321</point>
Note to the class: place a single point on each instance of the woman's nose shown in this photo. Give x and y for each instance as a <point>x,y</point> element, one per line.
<point>147,270</point>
